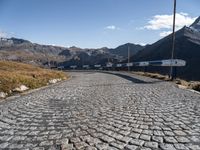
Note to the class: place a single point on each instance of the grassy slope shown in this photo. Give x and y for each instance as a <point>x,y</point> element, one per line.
<point>13,74</point>
<point>195,85</point>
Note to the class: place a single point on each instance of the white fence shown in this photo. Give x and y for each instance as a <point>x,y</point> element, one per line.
<point>167,63</point>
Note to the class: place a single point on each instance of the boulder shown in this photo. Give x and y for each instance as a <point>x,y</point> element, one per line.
<point>52,81</point>
<point>3,94</point>
<point>21,88</point>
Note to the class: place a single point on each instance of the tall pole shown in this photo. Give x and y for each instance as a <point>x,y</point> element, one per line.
<point>128,58</point>
<point>108,61</point>
<point>173,41</point>
<point>82,61</point>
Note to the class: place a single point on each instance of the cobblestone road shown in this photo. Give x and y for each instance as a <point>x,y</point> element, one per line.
<point>107,111</point>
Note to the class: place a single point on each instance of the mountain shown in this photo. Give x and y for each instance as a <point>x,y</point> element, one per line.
<point>47,55</point>
<point>187,47</point>
<point>102,55</point>
<point>25,51</point>
<point>123,49</point>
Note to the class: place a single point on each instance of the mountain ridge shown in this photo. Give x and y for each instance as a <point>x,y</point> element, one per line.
<point>25,51</point>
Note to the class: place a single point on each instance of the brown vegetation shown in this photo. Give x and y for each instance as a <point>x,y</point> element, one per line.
<point>13,74</point>
<point>195,85</point>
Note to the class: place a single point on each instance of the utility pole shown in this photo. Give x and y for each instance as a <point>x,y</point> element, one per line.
<point>173,42</point>
<point>128,58</point>
<point>82,61</point>
<point>108,62</point>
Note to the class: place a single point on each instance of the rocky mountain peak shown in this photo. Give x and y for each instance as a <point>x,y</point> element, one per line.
<point>196,25</point>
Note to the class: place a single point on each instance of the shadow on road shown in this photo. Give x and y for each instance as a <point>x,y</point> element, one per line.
<point>122,75</point>
<point>132,79</point>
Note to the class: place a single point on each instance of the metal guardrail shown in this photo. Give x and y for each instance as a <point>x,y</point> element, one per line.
<point>164,63</point>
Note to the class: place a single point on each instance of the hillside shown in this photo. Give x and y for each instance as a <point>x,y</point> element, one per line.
<point>13,75</point>
<point>187,47</point>
<point>25,51</point>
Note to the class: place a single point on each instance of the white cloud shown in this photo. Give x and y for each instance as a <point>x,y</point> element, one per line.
<point>165,21</point>
<point>112,27</point>
<point>184,14</point>
<point>165,33</point>
<point>3,34</point>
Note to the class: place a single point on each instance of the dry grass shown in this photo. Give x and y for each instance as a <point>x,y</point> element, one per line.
<point>195,85</point>
<point>13,74</point>
<point>153,75</point>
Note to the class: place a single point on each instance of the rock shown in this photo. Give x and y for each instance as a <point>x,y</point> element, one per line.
<point>21,88</point>
<point>59,80</point>
<point>52,81</point>
<point>3,95</point>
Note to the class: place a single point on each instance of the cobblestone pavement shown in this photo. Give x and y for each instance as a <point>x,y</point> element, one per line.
<point>107,111</point>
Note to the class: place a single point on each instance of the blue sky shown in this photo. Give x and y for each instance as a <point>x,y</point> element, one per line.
<point>93,23</point>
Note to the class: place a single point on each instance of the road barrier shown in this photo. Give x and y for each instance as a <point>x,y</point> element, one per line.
<point>164,63</point>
